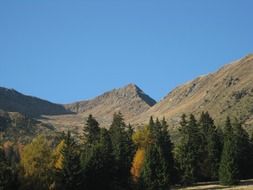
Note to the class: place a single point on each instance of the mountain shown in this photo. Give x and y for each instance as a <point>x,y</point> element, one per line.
<point>227,92</point>
<point>129,100</point>
<point>13,101</point>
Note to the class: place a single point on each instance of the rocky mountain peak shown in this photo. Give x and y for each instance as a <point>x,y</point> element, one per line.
<point>133,88</point>
<point>121,96</point>
<point>130,100</point>
<point>133,91</point>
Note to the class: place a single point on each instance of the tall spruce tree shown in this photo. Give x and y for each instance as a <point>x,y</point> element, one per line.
<point>98,166</point>
<point>244,153</point>
<point>151,125</point>
<point>69,176</point>
<point>123,151</point>
<point>154,173</point>
<point>8,177</point>
<point>229,169</point>
<point>91,130</point>
<point>189,150</point>
<point>251,156</point>
<point>211,148</point>
<point>158,166</point>
<point>167,148</point>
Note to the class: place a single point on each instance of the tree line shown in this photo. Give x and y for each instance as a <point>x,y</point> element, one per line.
<point>120,158</point>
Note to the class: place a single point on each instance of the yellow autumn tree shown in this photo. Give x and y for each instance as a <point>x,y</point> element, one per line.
<point>36,161</point>
<point>137,163</point>
<point>141,138</point>
<point>58,157</point>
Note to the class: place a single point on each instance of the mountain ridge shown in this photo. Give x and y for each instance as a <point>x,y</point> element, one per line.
<point>14,101</point>
<point>228,91</point>
<point>130,100</point>
<point>130,90</point>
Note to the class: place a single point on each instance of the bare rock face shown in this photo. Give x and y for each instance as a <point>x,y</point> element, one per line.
<point>227,92</point>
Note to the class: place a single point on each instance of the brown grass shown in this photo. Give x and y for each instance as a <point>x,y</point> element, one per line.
<point>244,185</point>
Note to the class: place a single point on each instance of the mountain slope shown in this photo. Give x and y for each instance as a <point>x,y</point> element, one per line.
<point>229,91</point>
<point>13,101</point>
<point>129,100</point>
<point>16,127</point>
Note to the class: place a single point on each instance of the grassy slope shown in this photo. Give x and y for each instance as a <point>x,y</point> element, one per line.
<point>16,127</point>
<point>228,91</point>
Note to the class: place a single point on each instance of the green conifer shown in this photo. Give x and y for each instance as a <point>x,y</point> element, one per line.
<point>210,148</point>
<point>91,130</point>
<point>158,167</point>
<point>244,153</point>
<point>189,150</point>
<point>98,168</point>
<point>70,175</point>
<point>123,151</point>
<point>228,170</point>
<point>8,177</point>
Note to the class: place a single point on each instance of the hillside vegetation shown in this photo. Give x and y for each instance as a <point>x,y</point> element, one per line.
<point>16,127</point>
<point>121,158</point>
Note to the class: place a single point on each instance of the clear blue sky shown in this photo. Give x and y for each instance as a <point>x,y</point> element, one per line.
<point>64,51</point>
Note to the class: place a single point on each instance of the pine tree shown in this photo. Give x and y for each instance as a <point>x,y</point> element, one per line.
<point>210,148</point>
<point>244,153</point>
<point>189,150</point>
<point>154,173</point>
<point>151,126</point>
<point>91,130</point>
<point>167,147</point>
<point>158,165</point>
<point>251,156</point>
<point>97,167</point>
<point>69,176</point>
<point>228,170</point>
<point>123,151</point>
<point>8,176</point>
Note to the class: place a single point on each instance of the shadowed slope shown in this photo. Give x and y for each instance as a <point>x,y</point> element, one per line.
<point>13,101</point>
